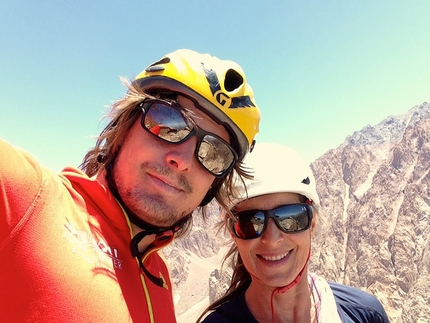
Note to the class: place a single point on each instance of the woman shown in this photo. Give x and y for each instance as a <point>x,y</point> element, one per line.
<point>272,227</point>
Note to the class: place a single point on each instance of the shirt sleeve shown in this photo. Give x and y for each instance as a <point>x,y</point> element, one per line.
<point>20,185</point>
<point>355,305</point>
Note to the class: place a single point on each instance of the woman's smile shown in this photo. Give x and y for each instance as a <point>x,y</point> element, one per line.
<point>275,257</point>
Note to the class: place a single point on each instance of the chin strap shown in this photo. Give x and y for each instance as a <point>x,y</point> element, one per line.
<point>286,288</point>
<point>132,217</point>
<point>135,253</point>
<point>296,280</point>
<point>147,228</point>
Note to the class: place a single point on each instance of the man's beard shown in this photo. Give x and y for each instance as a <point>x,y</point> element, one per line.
<point>152,207</point>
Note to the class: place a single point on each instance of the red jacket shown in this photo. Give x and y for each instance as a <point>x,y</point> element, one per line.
<point>64,251</point>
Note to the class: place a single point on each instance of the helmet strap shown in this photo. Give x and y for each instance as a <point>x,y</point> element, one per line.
<point>212,192</point>
<point>286,288</point>
<point>208,197</point>
<point>148,229</point>
<point>296,280</point>
<point>131,215</point>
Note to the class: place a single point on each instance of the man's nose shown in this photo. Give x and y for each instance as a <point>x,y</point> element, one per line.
<point>181,156</point>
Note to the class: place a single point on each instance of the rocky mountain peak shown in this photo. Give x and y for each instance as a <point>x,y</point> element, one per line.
<point>390,129</point>
<point>375,191</point>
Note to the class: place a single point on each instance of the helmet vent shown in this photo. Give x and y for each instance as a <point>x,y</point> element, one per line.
<point>154,66</point>
<point>233,80</point>
<point>306,181</point>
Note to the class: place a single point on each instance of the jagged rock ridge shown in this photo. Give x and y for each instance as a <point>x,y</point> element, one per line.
<point>375,191</point>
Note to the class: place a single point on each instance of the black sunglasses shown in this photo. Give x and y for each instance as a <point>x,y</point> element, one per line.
<point>166,120</point>
<point>291,218</point>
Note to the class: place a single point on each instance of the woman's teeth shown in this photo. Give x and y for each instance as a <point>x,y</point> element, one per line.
<point>274,258</point>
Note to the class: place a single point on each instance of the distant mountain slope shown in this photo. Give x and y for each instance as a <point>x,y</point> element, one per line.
<point>375,193</point>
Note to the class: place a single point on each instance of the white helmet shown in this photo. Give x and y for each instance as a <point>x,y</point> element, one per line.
<point>278,169</point>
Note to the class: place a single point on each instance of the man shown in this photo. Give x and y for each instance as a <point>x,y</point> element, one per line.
<point>83,247</point>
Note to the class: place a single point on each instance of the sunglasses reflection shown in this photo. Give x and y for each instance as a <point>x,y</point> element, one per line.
<point>290,218</point>
<point>168,123</point>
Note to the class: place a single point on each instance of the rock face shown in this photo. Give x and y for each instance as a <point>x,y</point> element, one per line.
<point>194,262</point>
<point>374,228</point>
<point>375,193</point>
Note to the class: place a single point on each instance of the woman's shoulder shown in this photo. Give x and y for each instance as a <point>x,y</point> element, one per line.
<point>355,304</point>
<point>232,311</point>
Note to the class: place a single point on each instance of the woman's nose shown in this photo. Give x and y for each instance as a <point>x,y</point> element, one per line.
<point>272,235</point>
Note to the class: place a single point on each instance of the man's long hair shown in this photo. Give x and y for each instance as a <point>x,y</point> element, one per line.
<point>122,115</point>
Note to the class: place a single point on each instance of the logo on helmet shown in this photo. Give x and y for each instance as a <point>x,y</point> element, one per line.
<point>222,98</point>
<point>241,102</point>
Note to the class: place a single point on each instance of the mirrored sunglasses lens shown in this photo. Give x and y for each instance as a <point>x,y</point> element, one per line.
<point>293,218</point>
<point>250,225</point>
<point>215,155</point>
<point>166,122</point>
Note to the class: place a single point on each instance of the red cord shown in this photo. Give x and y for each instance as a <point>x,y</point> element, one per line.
<point>286,288</point>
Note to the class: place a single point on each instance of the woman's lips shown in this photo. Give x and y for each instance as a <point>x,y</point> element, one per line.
<point>275,257</point>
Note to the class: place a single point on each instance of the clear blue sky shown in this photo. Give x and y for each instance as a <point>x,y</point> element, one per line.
<point>320,69</point>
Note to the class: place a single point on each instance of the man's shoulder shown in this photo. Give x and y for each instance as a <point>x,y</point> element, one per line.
<point>356,305</point>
